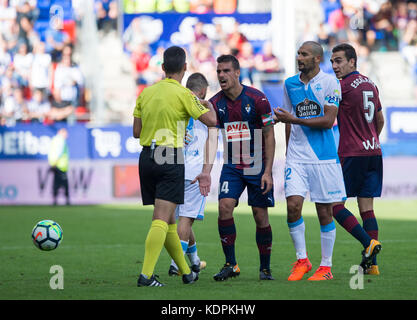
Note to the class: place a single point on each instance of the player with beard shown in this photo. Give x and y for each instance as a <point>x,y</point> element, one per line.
<point>311,101</point>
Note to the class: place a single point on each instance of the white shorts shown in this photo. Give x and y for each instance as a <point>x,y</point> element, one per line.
<point>323,181</point>
<point>194,202</point>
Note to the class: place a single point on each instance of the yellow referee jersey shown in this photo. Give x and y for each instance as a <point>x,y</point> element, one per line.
<point>165,109</point>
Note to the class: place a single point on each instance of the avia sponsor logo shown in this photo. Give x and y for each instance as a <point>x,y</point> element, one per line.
<point>307,108</point>
<point>371,146</point>
<point>237,131</point>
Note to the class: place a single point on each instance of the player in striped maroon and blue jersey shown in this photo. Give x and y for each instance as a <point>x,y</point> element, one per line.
<point>244,116</point>
<point>360,121</point>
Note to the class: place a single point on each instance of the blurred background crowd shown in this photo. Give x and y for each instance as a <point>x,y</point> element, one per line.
<point>41,80</point>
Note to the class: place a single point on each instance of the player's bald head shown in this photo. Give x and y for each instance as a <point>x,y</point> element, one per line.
<point>314,47</point>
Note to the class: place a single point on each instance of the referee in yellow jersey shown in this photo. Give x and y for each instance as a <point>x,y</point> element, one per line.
<point>160,117</point>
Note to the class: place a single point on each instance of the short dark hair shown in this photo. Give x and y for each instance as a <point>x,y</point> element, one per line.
<point>196,82</point>
<point>349,51</point>
<point>229,58</point>
<point>174,59</point>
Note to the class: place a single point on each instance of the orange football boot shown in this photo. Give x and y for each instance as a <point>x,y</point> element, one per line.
<point>322,273</point>
<point>301,267</point>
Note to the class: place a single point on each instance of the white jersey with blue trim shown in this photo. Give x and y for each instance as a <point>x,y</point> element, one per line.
<point>194,150</point>
<point>306,144</point>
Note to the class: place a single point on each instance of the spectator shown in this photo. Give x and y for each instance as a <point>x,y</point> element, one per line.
<point>106,12</point>
<point>155,72</point>
<point>266,61</point>
<point>140,58</point>
<point>246,59</point>
<point>7,16</point>
<point>219,35</point>
<point>204,62</point>
<point>23,63</point>
<point>38,107</point>
<point>14,108</point>
<point>133,35</point>
<point>5,57</point>
<point>11,36</point>
<point>26,8</point>
<point>199,35</point>
<point>236,39</point>
<point>383,22</point>
<point>68,82</point>
<point>26,33</point>
<point>40,74</point>
<point>9,79</point>
<point>56,40</point>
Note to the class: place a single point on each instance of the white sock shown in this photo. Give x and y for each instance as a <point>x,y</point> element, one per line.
<point>192,255</point>
<point>328,238</point>
<point>297,233</point>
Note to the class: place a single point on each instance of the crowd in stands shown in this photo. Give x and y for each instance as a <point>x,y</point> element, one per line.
<point>372,25</point>
<point>39,81</point>
<point>202,53</point>
<point>203,50</point>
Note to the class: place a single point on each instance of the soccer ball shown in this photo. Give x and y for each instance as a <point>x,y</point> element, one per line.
<point>47,235</point>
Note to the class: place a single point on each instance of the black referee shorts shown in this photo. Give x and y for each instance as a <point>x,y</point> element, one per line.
<point>162,181</point>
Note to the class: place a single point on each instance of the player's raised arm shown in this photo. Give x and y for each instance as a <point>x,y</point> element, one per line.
<point>208,118</point>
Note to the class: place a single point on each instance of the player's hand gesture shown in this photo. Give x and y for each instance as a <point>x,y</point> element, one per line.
<point>204,182</point>
<point>283,115</point>
<point>266,183</point>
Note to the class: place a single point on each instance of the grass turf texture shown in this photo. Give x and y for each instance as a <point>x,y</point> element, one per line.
<point>103,246</point>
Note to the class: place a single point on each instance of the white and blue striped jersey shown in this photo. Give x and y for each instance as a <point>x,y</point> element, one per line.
<point>194,150</point>
<point>311,145</point>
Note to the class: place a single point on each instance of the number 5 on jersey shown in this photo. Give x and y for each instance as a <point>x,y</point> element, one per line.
<point>368,105</point>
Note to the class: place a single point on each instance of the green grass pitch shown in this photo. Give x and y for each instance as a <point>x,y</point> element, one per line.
<point>102,251</point>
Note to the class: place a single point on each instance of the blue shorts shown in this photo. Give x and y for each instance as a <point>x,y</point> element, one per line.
<point>233,182</point>
<point>363,176</point>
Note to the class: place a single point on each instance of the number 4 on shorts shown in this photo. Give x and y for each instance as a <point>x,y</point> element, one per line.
<point>225,187</point>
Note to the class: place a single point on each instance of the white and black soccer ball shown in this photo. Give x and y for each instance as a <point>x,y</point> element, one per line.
<point>47,235</point>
